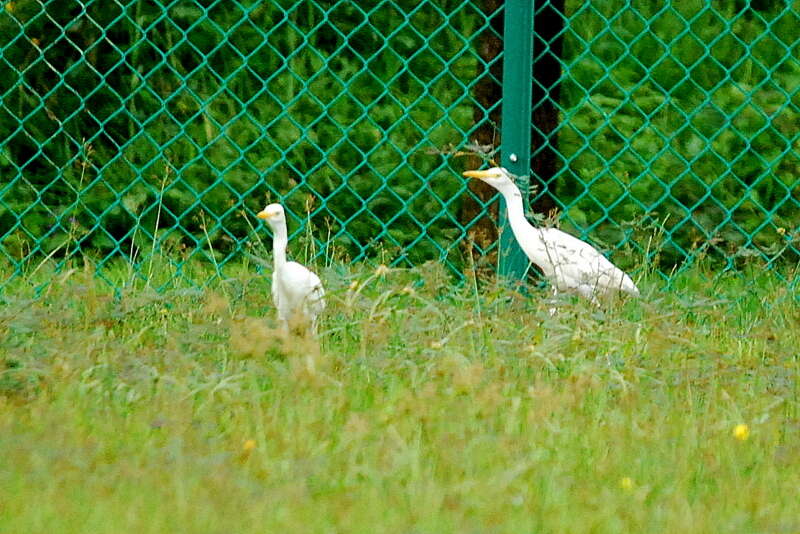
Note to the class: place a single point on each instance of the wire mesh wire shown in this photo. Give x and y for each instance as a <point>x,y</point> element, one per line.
<point>681,118</point>
<point>139,129</point>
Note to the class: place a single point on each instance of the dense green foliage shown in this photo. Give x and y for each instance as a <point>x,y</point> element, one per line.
<point>693,111</point>
<point>422,410</point>
<point>118,118</point>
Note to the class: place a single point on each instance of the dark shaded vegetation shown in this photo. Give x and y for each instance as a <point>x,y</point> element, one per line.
<point>149,125</point>
<point>686,117</point>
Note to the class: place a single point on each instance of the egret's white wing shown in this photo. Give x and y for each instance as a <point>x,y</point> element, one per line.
<point>304,286</point>
<point>579,264</point>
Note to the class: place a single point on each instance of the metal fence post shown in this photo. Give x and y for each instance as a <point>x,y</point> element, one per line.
<point>516,120</point>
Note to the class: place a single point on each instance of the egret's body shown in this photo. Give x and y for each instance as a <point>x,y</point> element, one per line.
<point>569,263</point>
<point>296,291</point>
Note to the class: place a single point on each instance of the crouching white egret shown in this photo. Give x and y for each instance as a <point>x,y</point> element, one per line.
<point>569,263</point>
<point>296,291</point>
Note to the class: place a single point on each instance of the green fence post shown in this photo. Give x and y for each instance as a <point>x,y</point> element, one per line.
<point>516,121</point>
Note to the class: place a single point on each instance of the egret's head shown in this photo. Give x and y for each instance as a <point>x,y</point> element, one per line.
<point>272,214</point>
<point>497,177</point>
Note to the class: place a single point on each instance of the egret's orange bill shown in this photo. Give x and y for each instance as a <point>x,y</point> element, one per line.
<point>476,174</point>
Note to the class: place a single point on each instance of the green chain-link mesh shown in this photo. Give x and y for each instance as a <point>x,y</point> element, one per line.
<point>683,117</point>
<point>139,128</point>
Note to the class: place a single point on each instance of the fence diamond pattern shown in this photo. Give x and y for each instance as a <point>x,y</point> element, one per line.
<point>135,129</point>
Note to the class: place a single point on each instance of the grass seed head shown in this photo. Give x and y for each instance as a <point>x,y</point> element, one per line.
<point>356,427</point>
<point>466,379</point>
<point>216,304</point>
<point>251,338</point>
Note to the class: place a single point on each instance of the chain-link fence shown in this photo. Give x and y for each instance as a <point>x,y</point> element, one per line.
<point>683,117</point>
<point>140,128</point>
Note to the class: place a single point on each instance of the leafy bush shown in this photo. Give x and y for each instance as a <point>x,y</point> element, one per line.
<point>688,115</point>
<point>189,116</point>
<point>171,123</point>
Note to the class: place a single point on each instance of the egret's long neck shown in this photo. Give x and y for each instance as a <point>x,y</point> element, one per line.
<point>516,213</point>
<point>279,241</point>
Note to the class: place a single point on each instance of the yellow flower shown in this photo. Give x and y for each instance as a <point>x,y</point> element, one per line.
<point>626,483</point>
<point>248,447</point>
<point>741,432</point>
<point>782,231</point>
<point>381,270</point>
<point>10,7</point>
<point>35,42</point>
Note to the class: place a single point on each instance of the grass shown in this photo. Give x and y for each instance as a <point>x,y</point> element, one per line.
<point>424,408</point>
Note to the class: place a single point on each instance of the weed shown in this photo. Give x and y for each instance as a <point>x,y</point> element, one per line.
<point>422,407</point>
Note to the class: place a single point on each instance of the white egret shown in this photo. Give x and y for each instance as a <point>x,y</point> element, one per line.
<point>569,263</point>
<point>297,292</point>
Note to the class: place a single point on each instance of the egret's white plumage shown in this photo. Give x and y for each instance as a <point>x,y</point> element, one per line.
<point>569,263</point>
<point>297,292</point>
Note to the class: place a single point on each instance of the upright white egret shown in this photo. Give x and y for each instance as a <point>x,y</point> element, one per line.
<point>569,263</point>
<point>297,292</point>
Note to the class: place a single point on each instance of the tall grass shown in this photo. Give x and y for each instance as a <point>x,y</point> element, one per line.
<point>422,408</point>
